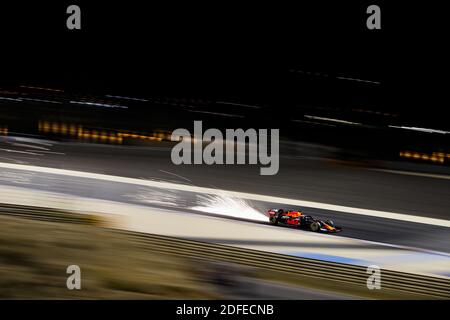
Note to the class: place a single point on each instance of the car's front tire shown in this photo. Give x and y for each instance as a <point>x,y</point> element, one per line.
<point>314,226</point>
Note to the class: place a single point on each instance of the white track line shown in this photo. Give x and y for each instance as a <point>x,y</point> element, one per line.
<point>176,175</point>
<point>18,151</point>
<point>249,196</point>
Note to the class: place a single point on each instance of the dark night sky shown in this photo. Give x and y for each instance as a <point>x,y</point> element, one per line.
<point>227,49</point>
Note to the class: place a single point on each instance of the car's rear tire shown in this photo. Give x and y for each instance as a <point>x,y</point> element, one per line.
<point>278,216</point>
<point>314,226</point>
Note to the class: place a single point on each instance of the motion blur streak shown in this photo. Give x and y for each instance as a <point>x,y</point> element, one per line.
<point>418,174</point>
<point>249,196</point>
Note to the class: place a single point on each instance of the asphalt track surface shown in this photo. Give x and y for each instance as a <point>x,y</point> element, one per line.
<point>304,174</point>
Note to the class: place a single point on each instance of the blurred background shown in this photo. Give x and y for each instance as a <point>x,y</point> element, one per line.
<point>362,119</point>
<point>316,72</point>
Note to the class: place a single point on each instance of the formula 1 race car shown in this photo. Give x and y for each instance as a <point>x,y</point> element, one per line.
<point>299,220</point>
